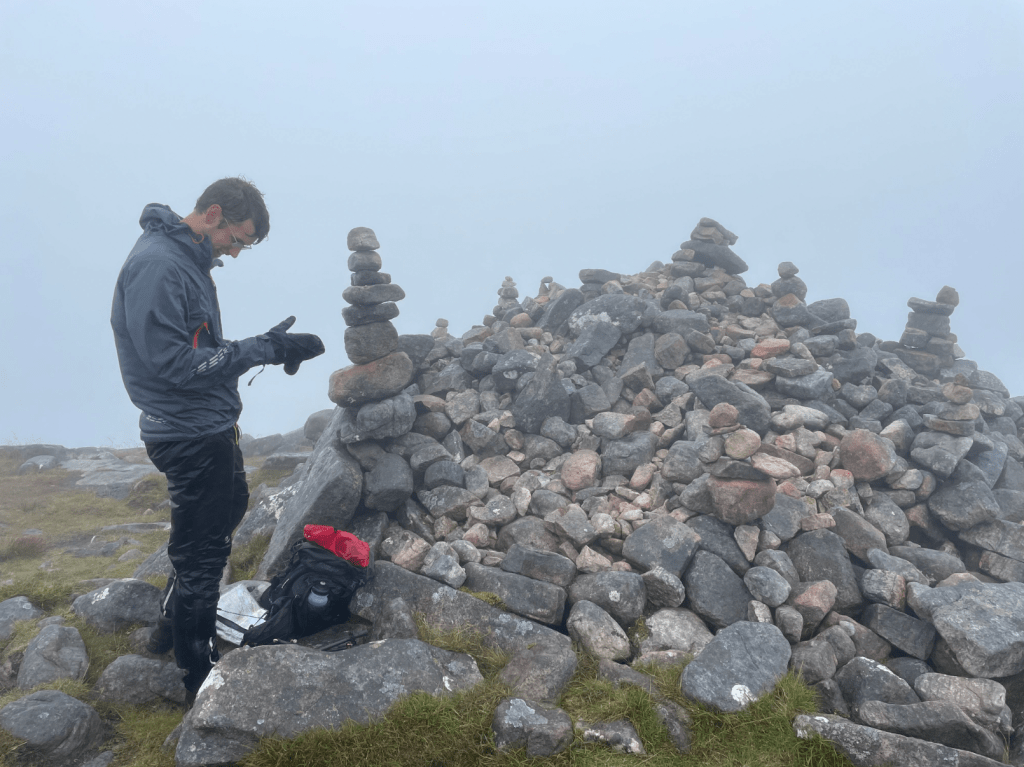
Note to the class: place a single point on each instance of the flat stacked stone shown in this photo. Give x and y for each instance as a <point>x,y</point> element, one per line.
<point>381,370</point>
<point>709,245</point>
<point>927,345</point>
<point>440,330</point>
<point>508,304</point>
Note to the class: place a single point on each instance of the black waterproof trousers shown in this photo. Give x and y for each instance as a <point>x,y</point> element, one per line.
<point>206,483</point>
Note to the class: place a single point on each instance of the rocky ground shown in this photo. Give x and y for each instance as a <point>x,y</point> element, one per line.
<point>725,471</point>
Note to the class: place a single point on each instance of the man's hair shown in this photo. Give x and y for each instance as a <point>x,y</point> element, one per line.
<point>239,201</point>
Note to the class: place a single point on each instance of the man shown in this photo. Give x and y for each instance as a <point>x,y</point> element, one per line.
<point>182,374</point>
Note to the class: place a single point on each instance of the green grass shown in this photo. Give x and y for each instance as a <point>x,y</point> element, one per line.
<point>268,476</point>
<point>455,731</point>
<point>245,560</point>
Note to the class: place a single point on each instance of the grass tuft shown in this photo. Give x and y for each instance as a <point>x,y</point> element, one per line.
<point>269,476</point>
<point>245,560</point>
<point>148,493</point>
<point>486,596</point>
<point>465,639</point>
<point>22,547</point>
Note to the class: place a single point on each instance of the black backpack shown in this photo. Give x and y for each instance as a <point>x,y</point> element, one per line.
<point>311,594</point>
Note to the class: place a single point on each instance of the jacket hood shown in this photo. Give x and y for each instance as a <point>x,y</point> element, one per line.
<point>161,220</point>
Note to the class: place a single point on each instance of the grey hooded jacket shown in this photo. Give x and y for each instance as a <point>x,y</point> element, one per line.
<point>175,362</point>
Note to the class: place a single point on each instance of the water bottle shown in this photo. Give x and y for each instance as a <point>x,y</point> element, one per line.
<point>318,596</point>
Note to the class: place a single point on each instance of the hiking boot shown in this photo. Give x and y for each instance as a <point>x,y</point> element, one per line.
<point>161,640</point>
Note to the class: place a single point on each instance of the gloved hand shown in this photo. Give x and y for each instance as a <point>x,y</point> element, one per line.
<point>292,349</point>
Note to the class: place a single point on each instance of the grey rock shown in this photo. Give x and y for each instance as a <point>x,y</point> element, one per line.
<point>863,680</point>
<point>936,565</point>
<point>983,700</point>
<point>742,663</point>
<point>13,610</point>
<point>56,724</point>
<point>619,736</point>
<point>715,592</point>
<point>963,505</point>
<point>882,512</point>
<point>663,588</point>
<point>106,475</point>
<point>528,531</point>
<point>118,605</point>
<point>780,562</point>
<point>558,310</point>
<point>290,689</point>
<point>869,747</point>
<point>983,624</point>
<point>675,629</point>
<point>537,600</point>
<point>394,621</point>
<point>543,397</point>
<point>784,518</point>
<point>443,608</point>
<point>939,453</point>
<point>389,484</point>
<point>934,721</point>
<point>597,632</point>
<point>815,385</point>
<point>365,343</point>
<point>821,555</point>
<point>622,310</point>
<point>712,254</point>
<point>680,322</point>
<point>136,680</point>
<point>912,636</point>
<point>909,669</point>
<point>663,542</point>
<point>442,564</point>
<point>682,463</point>
<point>815,661</point>
<point>328,495</point>
<point>719,538</point>
<point>362,240</point>
<point>539,565</point>
<point>623,456</point>
<point>542,730</point>
<point>540,672</point>
<point>56,652</point>
<point>858,534</point>
<point>621,594</point>
<point>754,410</point>
<point>766,585</point>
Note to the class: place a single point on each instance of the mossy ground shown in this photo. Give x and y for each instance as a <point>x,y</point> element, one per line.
<point>420,731</point>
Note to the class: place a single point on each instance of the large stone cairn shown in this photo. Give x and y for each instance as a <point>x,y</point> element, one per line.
<point>678,446</point>
<point>927,345</point>
<point>371,389</point>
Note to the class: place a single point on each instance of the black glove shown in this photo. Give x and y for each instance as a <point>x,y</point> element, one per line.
<point>292,349</point>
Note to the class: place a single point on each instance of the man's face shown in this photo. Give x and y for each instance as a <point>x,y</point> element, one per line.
<point>228,238</point>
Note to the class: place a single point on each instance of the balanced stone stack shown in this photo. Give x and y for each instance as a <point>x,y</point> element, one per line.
<point>371,389</point>
<point>508,304</point>
<point>927,345</point>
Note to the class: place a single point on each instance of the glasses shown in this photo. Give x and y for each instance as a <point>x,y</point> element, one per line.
<point>235,242</point>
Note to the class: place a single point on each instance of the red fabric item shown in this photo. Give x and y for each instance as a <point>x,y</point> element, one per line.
<point>345,545</point>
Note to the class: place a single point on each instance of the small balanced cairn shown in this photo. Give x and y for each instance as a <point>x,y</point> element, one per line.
<point>927,345</point>
<point>508,300</point>
<point>381,371</point>
<point>709,245</point>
